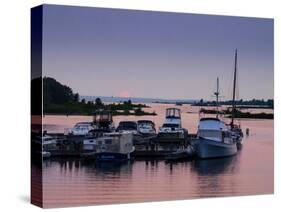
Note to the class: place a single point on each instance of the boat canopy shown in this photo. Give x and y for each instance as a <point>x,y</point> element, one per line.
<point>102,116</point>
<point>173,113</point>
<point>145,122</point>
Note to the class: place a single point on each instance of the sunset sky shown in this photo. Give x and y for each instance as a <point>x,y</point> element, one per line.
<point>110,52</point>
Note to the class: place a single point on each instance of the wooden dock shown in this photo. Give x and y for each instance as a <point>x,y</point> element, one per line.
<point>152,147</point>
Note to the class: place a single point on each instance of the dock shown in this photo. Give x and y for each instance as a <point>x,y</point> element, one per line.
<point>147,147</point>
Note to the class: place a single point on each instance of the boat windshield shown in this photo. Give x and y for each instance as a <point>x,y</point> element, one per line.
<point>127,126</point>
<point>144,122</point>
<point>213,134</point>
<point>170,125</point>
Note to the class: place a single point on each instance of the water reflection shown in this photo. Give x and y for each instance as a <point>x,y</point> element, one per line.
<point>215,166</point>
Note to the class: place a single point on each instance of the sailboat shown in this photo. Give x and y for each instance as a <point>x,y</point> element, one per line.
<point>215,137</point>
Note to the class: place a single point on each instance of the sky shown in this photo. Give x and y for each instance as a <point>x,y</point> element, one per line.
<point>130,53</point>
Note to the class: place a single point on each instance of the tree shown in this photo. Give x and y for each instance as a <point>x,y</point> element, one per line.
<point>56,93</point>
<point>98,102</point>
<point>76,97</point>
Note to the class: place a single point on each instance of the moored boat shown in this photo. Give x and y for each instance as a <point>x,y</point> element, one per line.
<point>181,154</point>
<point>114,147</point>
<point>214,139</point>
<point>80,129</point>
<point>128,126</point>
<point>172,126</point>
<point>146,127</point>
<point>46,154</point>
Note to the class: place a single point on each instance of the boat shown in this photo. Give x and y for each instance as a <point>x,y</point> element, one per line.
<point>181,154</point>
<point>80,129</point>
<point>49,143</point>
<point>215,137</point>
<point>146,127</point>
<point>114,147</point>
<point>46,154</point>
<point>172,125</point>
<point>128,126</point>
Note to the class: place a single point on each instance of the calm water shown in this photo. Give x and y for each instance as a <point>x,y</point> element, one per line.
<point>70,182</point>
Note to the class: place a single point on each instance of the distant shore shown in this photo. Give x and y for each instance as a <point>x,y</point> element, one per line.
<point>240,114</point>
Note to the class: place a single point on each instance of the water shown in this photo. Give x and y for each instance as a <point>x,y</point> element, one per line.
<point>71,182</point>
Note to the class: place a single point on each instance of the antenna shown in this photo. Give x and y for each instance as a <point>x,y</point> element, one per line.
<point>217,93</point>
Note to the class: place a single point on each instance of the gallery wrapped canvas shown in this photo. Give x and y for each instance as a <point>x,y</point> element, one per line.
<point>132,106</point>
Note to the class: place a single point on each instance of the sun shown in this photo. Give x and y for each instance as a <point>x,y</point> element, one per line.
<point>124,94</point>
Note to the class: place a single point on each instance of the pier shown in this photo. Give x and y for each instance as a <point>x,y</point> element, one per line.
<point>145,147</point>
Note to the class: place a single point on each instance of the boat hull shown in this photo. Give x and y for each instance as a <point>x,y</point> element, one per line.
<point>111,156</point>
<point>212,149</point>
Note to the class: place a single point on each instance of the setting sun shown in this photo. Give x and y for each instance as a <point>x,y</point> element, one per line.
<point>124,93</point>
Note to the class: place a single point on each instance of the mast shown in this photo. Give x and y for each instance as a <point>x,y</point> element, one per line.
<point>234,89</point>
<point>217,97</point>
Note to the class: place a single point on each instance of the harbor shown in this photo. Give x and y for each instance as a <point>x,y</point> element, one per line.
<point>146,147</point>
<point>101,141</point>
<point>146,179</point>
<point>154,173</point>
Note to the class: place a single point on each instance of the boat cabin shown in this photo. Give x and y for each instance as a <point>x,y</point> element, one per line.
<point>172,124</point>
<point>102,120</point>
<point>173,118</point>
<point>115,143</point>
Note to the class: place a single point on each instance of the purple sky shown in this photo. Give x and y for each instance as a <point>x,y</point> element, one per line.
<point>110,52</point>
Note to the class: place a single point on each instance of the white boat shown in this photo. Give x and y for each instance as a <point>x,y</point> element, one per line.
<point>81,128</point>
<point>128,126</point>
<point>181,154</point>
<point>46,154</point>
<point>49,143</point>
<point>172,124</point>
<point>114,147</point>
<point>214,139</point>
<point>146,127</point>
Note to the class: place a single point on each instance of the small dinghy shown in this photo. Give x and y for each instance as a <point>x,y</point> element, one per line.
<point>182,154</point>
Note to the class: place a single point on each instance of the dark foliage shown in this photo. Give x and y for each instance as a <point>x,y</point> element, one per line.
<point>60,99</point>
